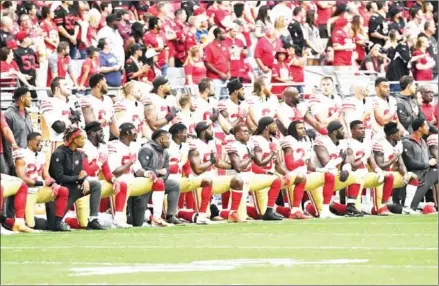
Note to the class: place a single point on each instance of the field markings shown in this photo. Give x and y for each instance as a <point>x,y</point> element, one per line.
<point>118,246</point>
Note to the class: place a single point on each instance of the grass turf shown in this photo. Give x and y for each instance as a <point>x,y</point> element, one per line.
<point>370,250</point>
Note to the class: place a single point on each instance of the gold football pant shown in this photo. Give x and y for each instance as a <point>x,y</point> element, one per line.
<point>42,196</point>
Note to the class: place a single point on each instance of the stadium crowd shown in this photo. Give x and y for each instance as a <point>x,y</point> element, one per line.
<point>149,157</point>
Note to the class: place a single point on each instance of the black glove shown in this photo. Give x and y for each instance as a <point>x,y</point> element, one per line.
<point>171,115</point>
<point>344,175</point>
<point>215,115</point>
<point>212,158</point>
<point>75,117</point>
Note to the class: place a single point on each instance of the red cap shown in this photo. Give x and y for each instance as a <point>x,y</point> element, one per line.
<point>199,11</point>
<point>22,35</point>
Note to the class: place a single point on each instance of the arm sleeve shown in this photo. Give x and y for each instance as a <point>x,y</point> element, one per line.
<point>145,156</point>
<point>57,162</point>
<point>166,166</point>
<point>90,167</point>
<point>409,158</point>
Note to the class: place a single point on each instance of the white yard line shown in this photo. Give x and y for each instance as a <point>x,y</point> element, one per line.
<point>118,246</point>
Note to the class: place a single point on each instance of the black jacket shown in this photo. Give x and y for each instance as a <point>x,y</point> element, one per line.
<point>416,156</point>
<point>153,157</point>
<point>408,111</point>
<point>65,166</point>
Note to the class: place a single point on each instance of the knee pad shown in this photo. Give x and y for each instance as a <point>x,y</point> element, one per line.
<point>158,185</point>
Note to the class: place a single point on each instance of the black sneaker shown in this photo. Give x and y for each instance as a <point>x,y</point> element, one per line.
<point>95,225</point>
<point>62,227</point>
<point>174,220</point>
<point>214,211</point>
<point>271,215</point>
<point>351,211</point>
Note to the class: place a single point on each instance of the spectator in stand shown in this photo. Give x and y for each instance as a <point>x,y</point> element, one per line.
<point>9,69</point>
<point>423,67</point>
<point>408,107</point>
<point>296,65</point>
<point>191,37</point>
<point>378,26</point>
<point>194,68</point>
<point>244,21</point>
<point>396,19</point>
<point>124,25</point>
<point>112,36</point>
<point>418,160</point>
<point>32,29</point>
<point>154,67</point>
<point>360,37</point>
<point>428,10</point>
<point>376,61</point>
<point>202,31</point>
<point>280,73</point>
<point>238,53</point>
<point>366,11</point>
<point>338,19</point>
<point>281,9</point>
<point>181,29</point>
<point>312,34</point>
<point>414,27</point>
<point>324,11</point>
<point>136,36</point>
<point>60,64</point>
<point>155,38</point>
<point>217,61</point>
<point>26,59</point>
<point>134,68</point>
<point>89,30</point>
<point>265,50</point>
<point>89,66</point>
<point>5,31</point>
<point>430,112</point>
<point>343,47</point>
<point>281,26</point>
<point>50,30</point>
<point>223,15</point>
<point>430,34</point>
<point>66,18</point>
<point>393,41</point>
<point>166,15</point>
<point>296,28</point>
<point>109,65</point>
<point>106,9</point>
<point>262,21</point>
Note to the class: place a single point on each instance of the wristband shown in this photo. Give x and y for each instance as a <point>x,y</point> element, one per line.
<point>347,167</point>
<point>38,184</point>
<point>378,170</point>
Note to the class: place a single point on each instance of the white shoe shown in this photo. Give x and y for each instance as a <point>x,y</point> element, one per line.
<point>120,225</point>
<point>203,220</point>
<point>4,231</point>
<point>328,214</point>
<point>410,211</point>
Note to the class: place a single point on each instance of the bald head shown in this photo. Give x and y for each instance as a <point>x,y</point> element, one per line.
<point>359,90</point>
<point>291,96</point>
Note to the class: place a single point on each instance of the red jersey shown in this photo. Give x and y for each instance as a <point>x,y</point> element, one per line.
<point>422,74</point>
<point>51,31</point>
<point>237,65</point>
<point>324,14</point>
<point>181,30</point>
<point>218,56</point>
<point>266,49</point>
<point>280,69</point>
<point>297,72</point>
<point>8,67</point>
<point>62,68</point>
<point>92,69</point>
<point>156,40</point>
<point>342,58</point>
<point>196,71</point>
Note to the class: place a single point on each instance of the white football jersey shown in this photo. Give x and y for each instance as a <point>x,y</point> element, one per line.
<point>385,106</point>
<point>204,150</point>
<point>178,155</point>
<point>354,109</point>
<point>133,112</point>
<point>54,109</point>
<point>234,146</point>
<point>102,109</point>
<point>264,145</point>
<point>262,108</point>
<point>188,119</point>
<point>361,151</point>
<point>288,114</point>
<point>332,149</point>
<point>432,140</point>
<point>119,154</point>
<point>204,108</point>
<point>388,150</point>
<point>302,150</point>
<point>162,105</point>
<point>234,109</point>
<point>92,152</point>
<point>321,104</point>
<point>34,162</point>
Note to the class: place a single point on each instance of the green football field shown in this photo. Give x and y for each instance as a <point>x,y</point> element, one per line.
<point>371,250</point>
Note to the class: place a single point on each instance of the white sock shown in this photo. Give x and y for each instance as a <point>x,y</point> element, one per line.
<point>19,221</point>
<point>92,218</point>
<point>157,203</point>
<point>118,216</point>
<point>410,193</point>
<point>351,201</point>
<point>325,209</point>
<point>295,209</point>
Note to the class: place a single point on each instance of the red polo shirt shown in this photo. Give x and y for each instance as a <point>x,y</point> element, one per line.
<point>265,50</point>
<point>237,65</point>
<point>429,111</point>
<point>421,74</point>
<point>155,40</point>
<point>218,56</point>
<point>342,58</point>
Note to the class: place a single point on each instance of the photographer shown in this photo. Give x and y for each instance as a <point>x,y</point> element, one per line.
<point>376,61</point>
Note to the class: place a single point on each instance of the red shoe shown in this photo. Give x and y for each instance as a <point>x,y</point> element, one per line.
<point>384,211</point>
<point>234,217</point>
<point>299,215</point>
<point>429,209</point>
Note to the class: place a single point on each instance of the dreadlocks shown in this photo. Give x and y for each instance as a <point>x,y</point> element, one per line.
<point>292,130</point>
<point>69,132</point>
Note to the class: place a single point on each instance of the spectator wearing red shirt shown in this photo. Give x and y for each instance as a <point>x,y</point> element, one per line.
<point>324,11</point>
<point>155,38</point>
<point>90,66</point>
<point>280,73</point>
<point>430,111</point>
<point>134,68</point>
<point>343,47</point>
<point>223,16</point>
<point>194,68</point>
<point>106,9</point>
<point>217,61</point>
<point>265,50</point>
<point>154,68</point>
<point>50,30</point>
<point>9,70</point>
<point>238,53</point>
<point>60,64</point>
<point>191,37</point>
<point>423,67</point>
<point>360,37</point>
<point>181,29</point>
<point>124,25</point>
<point>166,16</point>
<point>296,64</point>
<point>34,31</point>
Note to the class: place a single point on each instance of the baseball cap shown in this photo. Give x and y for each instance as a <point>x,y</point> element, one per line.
<point>234,85</point>
<point>134,48</point>
<point>263,123</point>
<point>394,10</point>
<point>159,81</point>
<point>92,126</point>
<point>125,127</point>
<point>201,126</point>
<point>21,35</point>
<point>334,125</point>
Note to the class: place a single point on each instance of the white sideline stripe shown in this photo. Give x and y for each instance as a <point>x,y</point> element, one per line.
<point>118,246</point>
<point>142,264</point>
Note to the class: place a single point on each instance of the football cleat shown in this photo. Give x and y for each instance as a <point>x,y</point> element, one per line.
<point>234,217</point>
<point>384,211</point>
<point>203,220</point>
<point>4,231</point>
<point>62,227</point>
<point>271,215</point>
<point>328,214</point>
<point>352,211</point>
<point>429,209</point>
<point>299,215</point>
<point>95,225</point>
<point>159,222</point>
<point>23,228</point>
<point>120,225</point>
<point>173,220</point>
<point>410,211</point>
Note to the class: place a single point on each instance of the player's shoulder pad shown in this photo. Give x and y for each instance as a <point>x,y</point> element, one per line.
<point>18,154</point>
